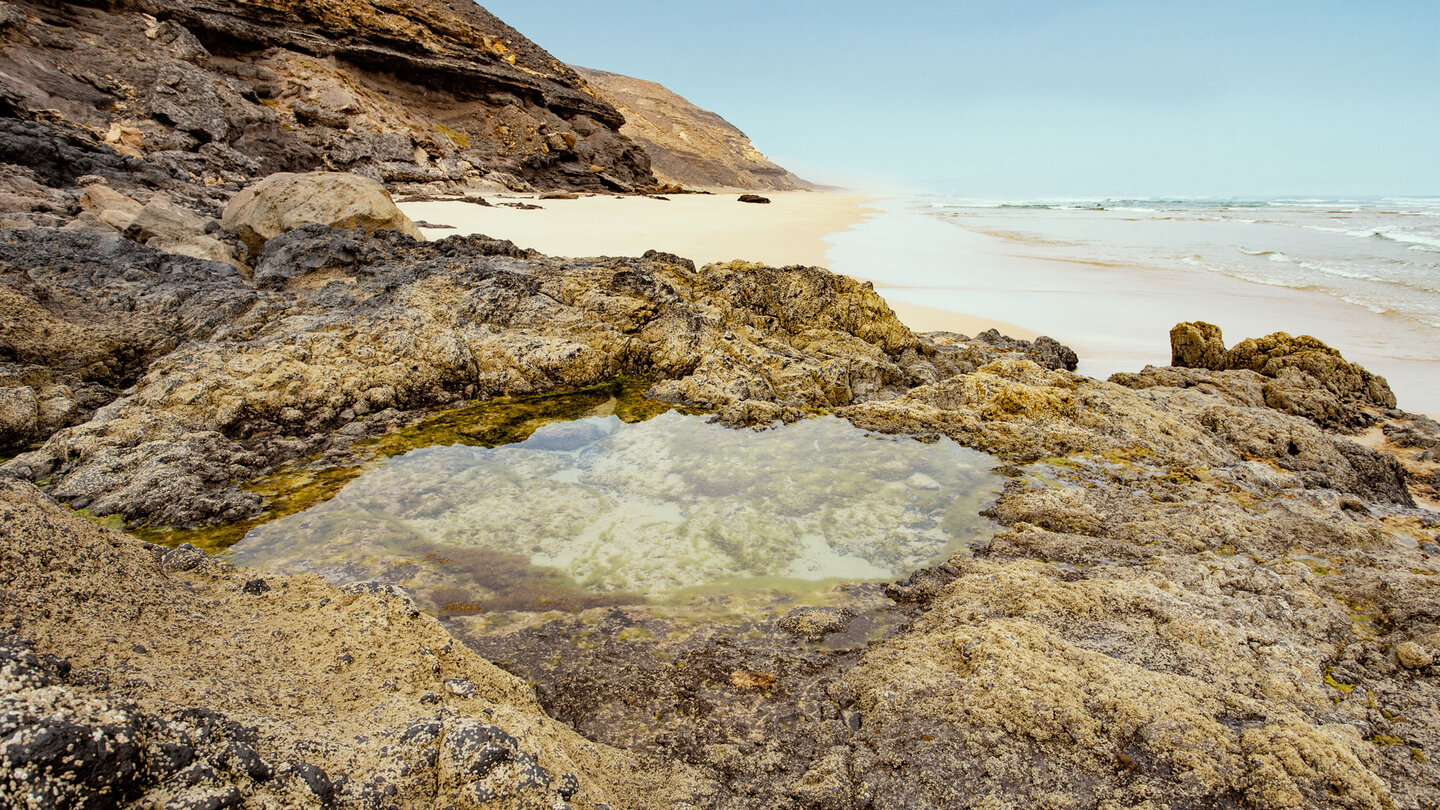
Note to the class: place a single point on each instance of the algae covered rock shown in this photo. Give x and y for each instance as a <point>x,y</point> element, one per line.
<point>284,201</point>
<point>102,703</point>
<point>1303,376</point>
<point>344,321</point>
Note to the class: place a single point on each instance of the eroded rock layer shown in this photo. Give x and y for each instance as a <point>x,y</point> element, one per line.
<point>424,91</point>
<point>688,146</point>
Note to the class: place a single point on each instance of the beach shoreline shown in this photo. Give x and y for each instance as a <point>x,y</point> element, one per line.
<point>1111,284</point>
<point>795,228</point>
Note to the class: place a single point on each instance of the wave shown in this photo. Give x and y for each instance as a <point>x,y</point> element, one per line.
<point>1272,255</point>
<point>1420,241</point>
<point>1311,285</point>
<point>1416,241</point>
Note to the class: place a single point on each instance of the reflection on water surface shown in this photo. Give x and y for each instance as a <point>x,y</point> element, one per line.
<point>599,511</point>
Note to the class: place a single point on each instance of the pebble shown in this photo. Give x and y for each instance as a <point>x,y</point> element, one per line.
<point>459,687</point>
<point>1413,656</point>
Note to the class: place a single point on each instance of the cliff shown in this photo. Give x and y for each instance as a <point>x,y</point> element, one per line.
<point>688,146</point>
<point>417,91</point>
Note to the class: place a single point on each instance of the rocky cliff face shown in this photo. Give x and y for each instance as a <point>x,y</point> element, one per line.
<point>688,146</point>
<point>221,92</point>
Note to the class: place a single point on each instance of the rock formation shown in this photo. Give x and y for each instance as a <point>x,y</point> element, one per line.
<point>284,201</point>
<point>688,146</point>
<point>1200,592</point>
<point>1298,375</point>
<point>424,91</point>
<point>197,684</point>
<point>1194,598</point>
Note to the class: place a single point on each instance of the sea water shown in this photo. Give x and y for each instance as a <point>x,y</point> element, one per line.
<point>1110,277</point>
<point>599,510</point>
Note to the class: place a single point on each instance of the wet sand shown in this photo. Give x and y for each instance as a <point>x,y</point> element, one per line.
<point>795,228</point>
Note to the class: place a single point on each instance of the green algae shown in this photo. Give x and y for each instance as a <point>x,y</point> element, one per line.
<point>505,420</point>
<point>108,521</point>
<point>497,509</point>
<point>1330,681</point>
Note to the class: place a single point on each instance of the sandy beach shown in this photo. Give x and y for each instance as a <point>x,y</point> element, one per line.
<point>795,228</point>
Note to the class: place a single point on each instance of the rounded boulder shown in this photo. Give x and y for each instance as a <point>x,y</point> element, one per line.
<point>284,201</point>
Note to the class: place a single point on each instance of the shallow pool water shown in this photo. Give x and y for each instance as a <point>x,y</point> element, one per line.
<point>600,511</point>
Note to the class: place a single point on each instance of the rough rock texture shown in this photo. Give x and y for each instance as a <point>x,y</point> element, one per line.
<point>688,146</point>
<point>83,323</point>
<point>221,92</point>
<point>1195,597</point>
<point>343,324</point>
<point>1311,379</point>
<point>148,677</point>
<point>283,202</point>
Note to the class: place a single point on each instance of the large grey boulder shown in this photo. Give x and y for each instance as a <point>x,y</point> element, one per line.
<point>282,202</point>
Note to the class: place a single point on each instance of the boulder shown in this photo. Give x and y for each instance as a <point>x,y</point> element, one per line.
<point>19,416</point>
<point>754,198</point>
<point>315,115</point>
<point>162,218</point>
<point>1197,345</point>
<point>282,202</point>
<point>1303,376</point>
<point>197,246</point>
<point>109,206</point>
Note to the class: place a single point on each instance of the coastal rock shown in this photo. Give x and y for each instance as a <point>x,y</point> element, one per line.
<point>1309,378</point>
<point>161,218</point>
<point>282,202</point>
<point>280,84</point>
<point>688,146</point>
<point>341,314</point>
<point>100,702</point>
<point>1413,656</point>
<point>109,206</point>
<point>1197,345</point>
<point>1162,552</point>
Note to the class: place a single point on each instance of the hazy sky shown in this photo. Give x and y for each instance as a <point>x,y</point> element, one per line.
<point>1029,97</point>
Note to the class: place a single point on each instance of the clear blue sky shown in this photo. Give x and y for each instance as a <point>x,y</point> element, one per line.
<point>1037,97</point>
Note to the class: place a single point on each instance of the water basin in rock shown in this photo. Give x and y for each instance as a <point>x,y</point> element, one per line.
<point>597,511</point>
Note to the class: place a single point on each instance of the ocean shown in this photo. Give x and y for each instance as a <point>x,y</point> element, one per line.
<point>1110,277</point>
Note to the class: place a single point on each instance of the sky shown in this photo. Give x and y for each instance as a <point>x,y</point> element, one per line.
<point>1044,98</point>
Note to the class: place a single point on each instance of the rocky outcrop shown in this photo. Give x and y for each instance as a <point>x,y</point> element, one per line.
<point>283,202</point>
<point>102,702</point>
<point>220,93</point>
<point>344,325</point>
<point>1193,597</point>
<point>1302,375</point>
<point>688,146</point>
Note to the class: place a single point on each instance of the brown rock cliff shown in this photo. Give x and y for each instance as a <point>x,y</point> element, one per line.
<point>688,146</point>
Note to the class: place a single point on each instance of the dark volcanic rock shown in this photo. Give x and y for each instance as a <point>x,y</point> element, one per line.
<point>455,93</point>
<point>58,156</point>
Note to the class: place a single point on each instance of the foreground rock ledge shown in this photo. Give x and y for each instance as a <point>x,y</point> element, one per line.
<point>1196,598</point>
<point>186,682</point>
